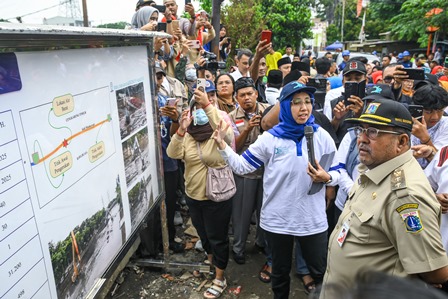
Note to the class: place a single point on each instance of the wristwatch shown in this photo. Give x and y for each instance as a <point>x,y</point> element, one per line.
<point>329,181</point>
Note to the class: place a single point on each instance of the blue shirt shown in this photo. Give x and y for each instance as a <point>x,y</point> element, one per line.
<point>165,122</point>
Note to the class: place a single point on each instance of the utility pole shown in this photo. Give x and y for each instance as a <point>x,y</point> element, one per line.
<point>216,23</point>
<point>84,13</point>
<point>342,25</point>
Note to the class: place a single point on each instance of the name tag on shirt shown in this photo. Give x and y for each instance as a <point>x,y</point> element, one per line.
<point>239,122</point>
<point>343,233</point>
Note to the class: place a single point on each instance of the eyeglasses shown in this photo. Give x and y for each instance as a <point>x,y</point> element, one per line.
<point>372,133</point>
<point>388,79</point>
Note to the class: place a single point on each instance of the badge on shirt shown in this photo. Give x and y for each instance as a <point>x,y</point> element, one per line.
<point>239,122</point>
<point>343,233</point>
<point>412,221</point>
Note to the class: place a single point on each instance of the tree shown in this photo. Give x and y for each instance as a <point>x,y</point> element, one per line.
<point>243,21</point>
<point>290,20</point>
<point>413,20</point>
<point>206,5</point>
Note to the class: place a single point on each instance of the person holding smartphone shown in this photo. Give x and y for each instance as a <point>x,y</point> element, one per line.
<point>288,211</point>
<point>194,144</point>
<point>225,43</point>
<point>188,26</point>
<point>432,128</point>
<point>168,116</point>
<point>340,108</point>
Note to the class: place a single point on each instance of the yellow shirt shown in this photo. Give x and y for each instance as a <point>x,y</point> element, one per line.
<point>271,61</point>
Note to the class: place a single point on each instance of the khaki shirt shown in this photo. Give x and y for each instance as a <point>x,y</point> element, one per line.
<point>393,218</point>
<point>240,121</point>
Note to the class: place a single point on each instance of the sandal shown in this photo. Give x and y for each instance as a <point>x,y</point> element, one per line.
<point>216,290</point>
<point>264,275</point>
<point>309,286</point>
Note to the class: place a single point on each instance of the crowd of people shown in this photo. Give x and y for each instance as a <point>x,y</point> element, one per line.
<point>372,198</point>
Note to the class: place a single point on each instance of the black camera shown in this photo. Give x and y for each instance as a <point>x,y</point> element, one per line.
<point>211,63</point>
<point>209,56</point>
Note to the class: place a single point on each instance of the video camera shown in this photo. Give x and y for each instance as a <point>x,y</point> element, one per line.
<point>211,63</point>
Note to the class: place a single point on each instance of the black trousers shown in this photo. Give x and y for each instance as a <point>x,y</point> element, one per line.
<point>171,179</point>
<point>211,220</point>
<point>314,251</point>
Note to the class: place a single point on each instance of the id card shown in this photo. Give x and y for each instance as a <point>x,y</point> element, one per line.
<point>343,233</point>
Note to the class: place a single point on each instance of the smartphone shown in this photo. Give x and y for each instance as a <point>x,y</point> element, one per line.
<point>201,84</point>
<point>416,111</point>
<point>195,44</point>
<point>353,88</point>
<point>319,84</point>
<point>446,62</point>
<point>175,25</point>
<point>266,35</point>
<point>171,101</point>
<point>187,2</point>
<point>415,74</point>
<point>160,8</point>
<point>161,26</point>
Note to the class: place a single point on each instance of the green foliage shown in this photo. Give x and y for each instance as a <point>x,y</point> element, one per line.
<point>206,5</point>
<point>244,22</point>
<point>411,23</point>
<point>333,34</point>
<point>117,25</point>
<point>289,20</point>
<point>61,252</point>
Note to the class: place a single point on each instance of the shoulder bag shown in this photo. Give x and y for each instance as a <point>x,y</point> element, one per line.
<point>220,185</point>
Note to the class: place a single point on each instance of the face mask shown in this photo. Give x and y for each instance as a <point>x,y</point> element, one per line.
<point>190,75</point>
<point>200,118</point>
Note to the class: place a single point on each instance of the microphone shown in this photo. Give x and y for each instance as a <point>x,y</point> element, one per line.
<point>309,135</point>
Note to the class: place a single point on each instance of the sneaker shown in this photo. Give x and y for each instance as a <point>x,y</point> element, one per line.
<point>178,218</point>
<point>239,258</point>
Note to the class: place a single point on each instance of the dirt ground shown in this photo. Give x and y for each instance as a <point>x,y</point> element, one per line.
<point>143,282</point>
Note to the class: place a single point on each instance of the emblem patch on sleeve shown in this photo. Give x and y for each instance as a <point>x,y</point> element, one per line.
<point>412,221</point>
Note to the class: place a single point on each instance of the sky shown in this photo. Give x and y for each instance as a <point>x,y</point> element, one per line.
<point>99,11</point>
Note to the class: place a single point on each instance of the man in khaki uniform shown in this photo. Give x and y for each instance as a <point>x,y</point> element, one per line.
<point>249,195</point>
<point>390,222</point>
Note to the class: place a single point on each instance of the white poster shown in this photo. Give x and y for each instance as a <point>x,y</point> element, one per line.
<point>78,165</point>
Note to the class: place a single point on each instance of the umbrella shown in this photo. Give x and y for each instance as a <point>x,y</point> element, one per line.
<point>334,46</point>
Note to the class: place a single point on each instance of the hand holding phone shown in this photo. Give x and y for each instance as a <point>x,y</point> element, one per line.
<point>415,74</point>
<point>175,25</point>
<point>416,111</point>
<point>171,101</point>
<point>195,44</point>
<point>201,84</point>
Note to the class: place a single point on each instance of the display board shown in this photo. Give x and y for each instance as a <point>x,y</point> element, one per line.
<point>79,165</point>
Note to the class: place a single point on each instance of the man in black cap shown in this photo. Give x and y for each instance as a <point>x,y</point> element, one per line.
<point>249,195</point>
<point>336,110</point>
<point>390,221</point>
<point>302,66</point>
<point>347,157</point>
<point>284,65</point>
